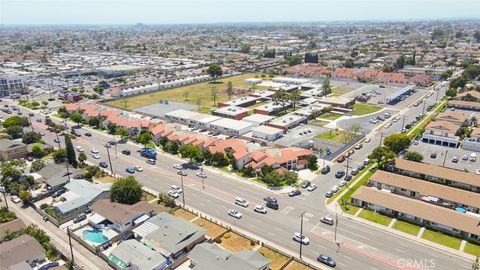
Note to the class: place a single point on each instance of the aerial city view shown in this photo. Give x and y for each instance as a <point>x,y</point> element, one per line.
<point>240,135</point>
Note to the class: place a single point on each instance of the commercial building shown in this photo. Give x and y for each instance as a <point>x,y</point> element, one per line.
<point>473,142</point>
<point>258,119</point>
<point>182,116</point>
<point>120,70</point>
<point>400,93</point>
<point>239,102</point>
<point>441,133</point>
<point>12,83</point>
<point>203,120</point>
<point>338,102</point>
<point>270,108</point>
<point>231,126</point>
<point>252,81</point>
<point>267,133</point>
<point>290,81</point>
<point>263,95</point>
<point>287,122</point>
<point>232,112</point>
<point>12,150</point>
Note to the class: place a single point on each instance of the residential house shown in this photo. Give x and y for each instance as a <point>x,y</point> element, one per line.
<point>23,252</point>
<point>117,216</point>
<point>133,255</point>
<point>473,96</point>
<point>472,143</point>
<point>12,150</point>
<point>453,117</point>
<point>441,133</point>
<point>10,227</point>
<point>212,257</point>
<point>463,104</point>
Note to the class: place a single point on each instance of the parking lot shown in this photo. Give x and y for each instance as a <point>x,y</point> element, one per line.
<point>446,154</point>
<point>300,135</point>
<point>364,121</point>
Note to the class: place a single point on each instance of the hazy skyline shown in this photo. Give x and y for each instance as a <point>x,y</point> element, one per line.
<point>214,11</point>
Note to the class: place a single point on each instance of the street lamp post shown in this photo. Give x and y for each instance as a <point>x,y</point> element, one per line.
<point>381,138</point>
<point>301,233</point>
<point>445,158</point>
<point>183,190</point>
<point>109,160</point>
<point>115,141</point>
<point>423,110</point>
<point>70,243</point>
<point>403,122</point>
<point>336,224</point>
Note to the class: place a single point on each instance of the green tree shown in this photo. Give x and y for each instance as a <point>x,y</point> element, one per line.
<point>207,156</point>
<point>16,121</point>
<point>76,117</point>
<point>144,138</point>
<point>290,177</point>
<point>59,156</point>
<point>171,147</point>
<point>15,131</point>
<point>214,71</point>
<point>451,92</point>
<point>397,142</point>
<point>25,196</point>
<point>459,82</point>
<point>82,157</point>
<point>327,89</point>
<point>112,128</point>
<point>5,215</point>
<point>94,122</point>
<point>37,150</point>
<point>37,165</point>
<point>293,60</point>
<point>281,97</point>
<point>382,153</point>
<point>122,132</point>
<point>312,162</point>
<point>192,152</point>
<point>400,63</point>
<point>126,190</point>
<point>219,159</point>
<point>91,171</point>
<point>163,142</point>
<point>70,151</point>
<point>245,48</point>
<point>295,96</point>
<point>413,156</point>
<point>31,137</point>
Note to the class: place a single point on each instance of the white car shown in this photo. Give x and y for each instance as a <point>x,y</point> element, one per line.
<point>367,140</point>
<point>176,189</point>
<point>312,187</point>
<point>234,213</point>
<point>335,188</point>
<point>79,148</point>
<point>201,174</point>
<point>178,166</point>
<point>301,238</point>
<point>260,209</point>
<point>15,199</point>
<point>94,151</point>
<point>173,194</point>
<point>241,201</point>
<point>182,173</point>
<point>342,183</point>
<point>138,168</point>
<point>96,156</point>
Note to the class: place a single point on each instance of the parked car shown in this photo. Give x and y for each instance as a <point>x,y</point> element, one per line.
<point>103,164</point>
<point>138,168</point>
<point>358,146</point>
<point>329,194</point>
<point>270,199</point>
<point>301,238</point>
<point>79,148</point>
<point>325,169</point>
<point>94,151</point>
<point>234,213</point>
<point>465,157</point>
<point>88,134</point>
<point>173,194</point>
<point>15,199</point>
<point>57,193</point>
<point>294,193</point>
<point>130,170</point>
<point>312,187</point>
<point>335,188</point>
<point>339,174</point>
<point>342,183</point>
<point>327,220</point>
<point>260,209</point>
<point>176,189</point>
<point>433,155</point>
<point>241,201</point>
<point>182,173</point>
<point>348,178</point>
<point>455,159</point>
<point>354,172</point>
<point>326,260</point>
<point>79,218</point>
<point>151,161</point>
<point>126,152</point>
<point>341,159</point>
<point>178,166</point>
<point>306,184</point>
<point>96,156</point>
<point>360,167</point>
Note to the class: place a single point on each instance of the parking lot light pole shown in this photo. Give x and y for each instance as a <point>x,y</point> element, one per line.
<point>183,191</point>
<point>109,160</point>
<point>381,138</point>
<point>403,122</point>
<point>301,234</point>
<point>423,110</point>
<point>445,158</point>
<point>336,224</point>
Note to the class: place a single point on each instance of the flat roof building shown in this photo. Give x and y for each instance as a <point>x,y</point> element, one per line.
<point>258,119</point>
<point>182,116</point>
<point>269,108</point>
<point>232,112</point>
<point>231,126</point>
<point>287,122</point>
<point>267,133</point>
<point>239,102</point>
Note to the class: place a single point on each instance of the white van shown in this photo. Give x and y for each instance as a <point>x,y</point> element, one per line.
<point>242,202</point>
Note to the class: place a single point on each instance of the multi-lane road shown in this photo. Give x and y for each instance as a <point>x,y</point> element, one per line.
<point>363,246</point>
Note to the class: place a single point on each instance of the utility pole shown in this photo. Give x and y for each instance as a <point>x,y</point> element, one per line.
<point>381,138</point>
<point>336,224</point>
<point>301,234</point>
<point>423,110</point>
<point>346,173</point>
<point>183,191</point>
<point>445,158</point>
<point>5,197</point>
<point>403,122</point>
<point>70,243</point>
<point>114,140</point>
<point>109,160</point>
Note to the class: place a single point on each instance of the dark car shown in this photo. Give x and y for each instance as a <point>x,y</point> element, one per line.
<point>112,143</point>
<point>326,260</point>
<point>57,193</point>
<point>361,167</point>
<point>348,178</point>
<point>339,174</point>
<point>341,159</point>
<point>130,170</point>
<point>272,204</point>
<point>433,155</point>
<point>326,169</point>
<point>270,199</point>
<point>31,114</point>
<point>306,184</point>
<point>103,164</point>
<point>88,134</point>
<point>329,194</point>
<point>294,193</point>
<point>126,152</point>
<point>79,218</point>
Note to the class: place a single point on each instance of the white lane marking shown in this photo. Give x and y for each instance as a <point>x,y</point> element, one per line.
<point>348,258</point>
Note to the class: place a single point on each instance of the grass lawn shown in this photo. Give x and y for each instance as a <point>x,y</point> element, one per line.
<point>199,94</point>
<point>185,214</point>
<point>204,109</point>
<point>105,179</point>
<point>160,207</point>
<point>375,217</point>
<point>330,116</point>
<point>225,169</point>
<point>235,242</point>
<point>353,188</point>
<point>278,260</point>
<point>340,90</point>
<point>441,239</point>
<point>472,249</point>
<point>406,227</point>
<point>334,135</point>
<point>318,123</point>
<point>362,109</point>
<point>213,230</point>
<point>151,145</point>
<point>294,265</point>
<point>147,196</point>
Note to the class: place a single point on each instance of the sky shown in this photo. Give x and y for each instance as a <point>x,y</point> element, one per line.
<point>219,11</point>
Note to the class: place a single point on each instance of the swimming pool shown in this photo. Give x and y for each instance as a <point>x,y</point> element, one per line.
<point>95,236</point>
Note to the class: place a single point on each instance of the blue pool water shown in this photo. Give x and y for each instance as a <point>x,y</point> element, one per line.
<point>95,236</point>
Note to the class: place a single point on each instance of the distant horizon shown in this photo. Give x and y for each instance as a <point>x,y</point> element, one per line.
<point>209,12</point>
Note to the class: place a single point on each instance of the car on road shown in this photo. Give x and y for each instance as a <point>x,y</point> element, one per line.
<point>234,213</point>
<point>341,159</point>
<point>454,159</point>
<point>138,168</point>
<point>326,260</point>
<point>241,201</point>
<point>335,188</point>
<point>96,156</point>
<point>88,134</point>
<point>325,169</point>
<point>312,187</point>
<point>176,189</point>
<point>358,146</point>
<point>342,183</point>
<point>79,218</point>
<point>260,209</point>
<point>182,173</point>
<point>339,174</point>
<point>272,204</point>
<point>79,148</point>
<point>329,194</point>
<point>15,199</point>
<point>301,238</point>
<point>94,151</point>
<point>151,161</point>
<point>306,184</point>
<point>173,193</point>
<point>270,199</point>
<point>130,170</point>
<point>178,166</point>
<point>294,193</point>
<point>126,152</point>
<point>201,174</point>
<point>103,164</point>
<point>327,220</point>
<point>367,140</point>
<point>433,155</point>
